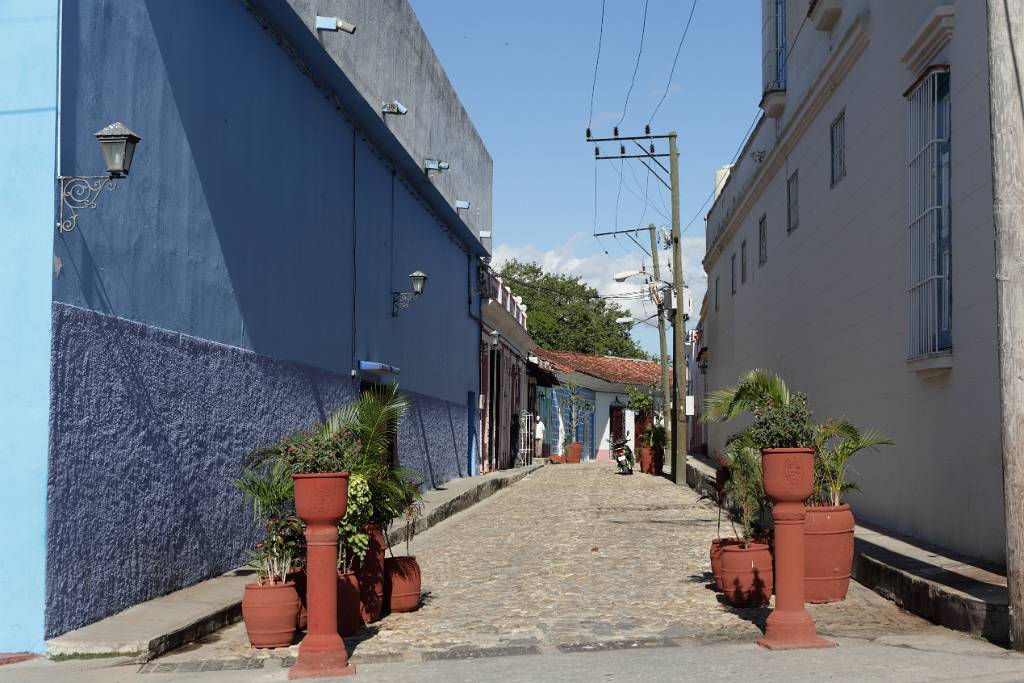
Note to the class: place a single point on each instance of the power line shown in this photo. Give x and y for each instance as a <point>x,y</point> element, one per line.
<point>597,61</point>
<point>639,53</point>
<point>675,60</point>
<point>626,296</point>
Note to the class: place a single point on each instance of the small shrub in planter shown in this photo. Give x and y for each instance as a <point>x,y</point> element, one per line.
<point>402,579</point>
<point>270,607</point>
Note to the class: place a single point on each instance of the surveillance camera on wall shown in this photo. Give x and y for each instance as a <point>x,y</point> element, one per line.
<point>334,24</point>
<point>394,107</point>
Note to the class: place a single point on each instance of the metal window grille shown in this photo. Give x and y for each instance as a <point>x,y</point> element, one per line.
<point>716,293</point>
<point>762,240</point>
<point>929,254</point>
<point>732,273</point>
<point>743,261</point>
<point>773,41</point>
<point>838,142</point>
<point>793,201</point>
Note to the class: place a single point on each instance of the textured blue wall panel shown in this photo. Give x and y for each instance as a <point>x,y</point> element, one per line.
<point>28,112</point>
<point>149,428</point>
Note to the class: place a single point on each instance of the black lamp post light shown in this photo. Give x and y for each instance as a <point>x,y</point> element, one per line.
<point>117,144</point>
<point>400,300</point>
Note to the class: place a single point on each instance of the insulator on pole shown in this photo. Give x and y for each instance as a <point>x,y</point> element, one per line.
<point>588,133</point>
<point>622,150</point>
<point>615,131</point>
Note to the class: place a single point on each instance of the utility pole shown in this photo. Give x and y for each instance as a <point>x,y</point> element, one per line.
<point>648,154</point>
<point>1006,19</point>
<point>663,346</point>
<point>679,444</point>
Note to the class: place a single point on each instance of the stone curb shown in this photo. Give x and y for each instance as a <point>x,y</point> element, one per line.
<point>213,604</point>
<point>961,602</point>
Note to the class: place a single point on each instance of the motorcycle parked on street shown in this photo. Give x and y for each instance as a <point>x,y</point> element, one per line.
<point>623,454</point>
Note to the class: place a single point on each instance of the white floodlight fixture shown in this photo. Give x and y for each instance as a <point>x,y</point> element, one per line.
<point>394,107</point>
<point>461,204</point>
<point>624,320</point>
<point>621,277</point>
<point>334,24</point>
<point>435,165</point>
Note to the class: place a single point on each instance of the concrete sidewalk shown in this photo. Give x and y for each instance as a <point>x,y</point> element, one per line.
<point>157,626</point>
<point>929,582</point>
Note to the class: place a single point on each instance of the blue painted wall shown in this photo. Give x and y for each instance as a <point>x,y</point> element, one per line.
<point>222,294</point>
<point>28,98</point>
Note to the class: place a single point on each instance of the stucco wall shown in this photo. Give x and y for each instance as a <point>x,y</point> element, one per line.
<point>829,308</point>
<point>28,92</point>
<point>248,263</point>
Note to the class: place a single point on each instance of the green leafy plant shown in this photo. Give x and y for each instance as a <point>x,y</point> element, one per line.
<point>269,487</point>
<point>641,399</point>
<point>658,436</point>
<point>280,550</point>
<point>781,418</point>
<point>745,487</point>
<point>836,441</point>
<point>353,540</point>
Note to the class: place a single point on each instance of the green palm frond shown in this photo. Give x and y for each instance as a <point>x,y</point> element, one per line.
<point>269,487</point>
<point>756,389</point>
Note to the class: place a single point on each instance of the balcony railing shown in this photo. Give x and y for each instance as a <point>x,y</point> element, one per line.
<point>491,287</point>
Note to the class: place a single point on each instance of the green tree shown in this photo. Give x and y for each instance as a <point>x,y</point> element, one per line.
<point>566,314</point>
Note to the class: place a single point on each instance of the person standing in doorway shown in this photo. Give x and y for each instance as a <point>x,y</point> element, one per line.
<point>538,439</point>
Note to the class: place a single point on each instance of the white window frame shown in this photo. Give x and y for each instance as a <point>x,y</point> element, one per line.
<point>837,145</point>
<point>929,241</point>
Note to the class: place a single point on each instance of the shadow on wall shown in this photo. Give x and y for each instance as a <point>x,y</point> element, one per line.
<point>428,442</point>
<point>148,428</point>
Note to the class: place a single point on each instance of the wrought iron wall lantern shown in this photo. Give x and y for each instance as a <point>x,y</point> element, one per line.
<point>400,300</point>
<point>117,144</point>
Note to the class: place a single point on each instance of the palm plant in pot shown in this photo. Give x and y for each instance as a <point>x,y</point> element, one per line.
<point>402,578</point>
<point>829,525</point>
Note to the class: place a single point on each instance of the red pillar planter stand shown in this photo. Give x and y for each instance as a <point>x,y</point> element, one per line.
<point>320,501</point>
<point>788,480</point>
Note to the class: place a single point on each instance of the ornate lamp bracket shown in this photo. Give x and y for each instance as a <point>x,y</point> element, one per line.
<point>80,192</point>
<point>400,300</point>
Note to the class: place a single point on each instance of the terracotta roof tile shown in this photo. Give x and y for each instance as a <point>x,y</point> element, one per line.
<point>608,368</point>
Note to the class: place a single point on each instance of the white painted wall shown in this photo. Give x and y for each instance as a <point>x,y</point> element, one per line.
<point>828,310</point>
<point>603,424</point>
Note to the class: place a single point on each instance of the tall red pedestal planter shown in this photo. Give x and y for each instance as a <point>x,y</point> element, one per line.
<point>788,481</point>
<point>828,534</point>
<point>371,577</point>
<point>320,502</point>
<point>573,453</point>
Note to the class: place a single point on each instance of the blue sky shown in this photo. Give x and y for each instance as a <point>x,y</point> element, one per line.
<point>524,72</point>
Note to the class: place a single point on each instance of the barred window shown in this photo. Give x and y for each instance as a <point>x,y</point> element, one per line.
<point>793,201</point>
<point>732,273</point>
<point>762,240</point>
<point>929,253</point>
<point>743,261</point>
<point>837,136</point>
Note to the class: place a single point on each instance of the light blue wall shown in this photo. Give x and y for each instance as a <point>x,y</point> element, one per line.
<point>28,91</point>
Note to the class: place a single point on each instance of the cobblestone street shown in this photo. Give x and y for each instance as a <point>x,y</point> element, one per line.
<point>572,558</point>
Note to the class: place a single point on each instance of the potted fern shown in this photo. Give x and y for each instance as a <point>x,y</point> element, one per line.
<point>829,525</point>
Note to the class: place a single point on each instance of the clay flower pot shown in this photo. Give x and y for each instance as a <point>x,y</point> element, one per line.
<point>747,575</point>
<point>270,613</point>
<point>556,459</point>
<point>348,604</point>
<point>717,545</point>
<point>298,577</point>
<point>371,577</point>
<point>402,583</point>
<point>659,461</point>
<point>321,498</point>
<point>828,546</point>
<point>647,460</point>
<point>574,452</point>
<point>788,473</point>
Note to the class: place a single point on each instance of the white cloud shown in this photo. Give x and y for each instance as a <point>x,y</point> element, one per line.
<point>576,256</point>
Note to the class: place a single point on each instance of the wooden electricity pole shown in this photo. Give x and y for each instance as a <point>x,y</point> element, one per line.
<point>678,327</point>
<point>1006,110</point>
<point>666,388</point>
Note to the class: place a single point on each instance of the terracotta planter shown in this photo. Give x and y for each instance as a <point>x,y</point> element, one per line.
<point>747,576</point>
<point>574,453</point>
<point>659,460</point>
<point>270,613</point>
<point>402,583</point>
<point>828,547</point>
<point>717,545</point>
<point>647,460</point>
<point>371,578</point>
<point>348,604</point>
<point>556,459</point>
<point>298,577</point>
<point>321,498</point>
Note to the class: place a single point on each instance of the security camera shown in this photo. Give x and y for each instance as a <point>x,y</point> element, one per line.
<point>334,24</point>
<point>435,165</point>
<point>394,107</point>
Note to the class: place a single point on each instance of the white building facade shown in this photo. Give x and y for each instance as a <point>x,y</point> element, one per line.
<point>851,250</point>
